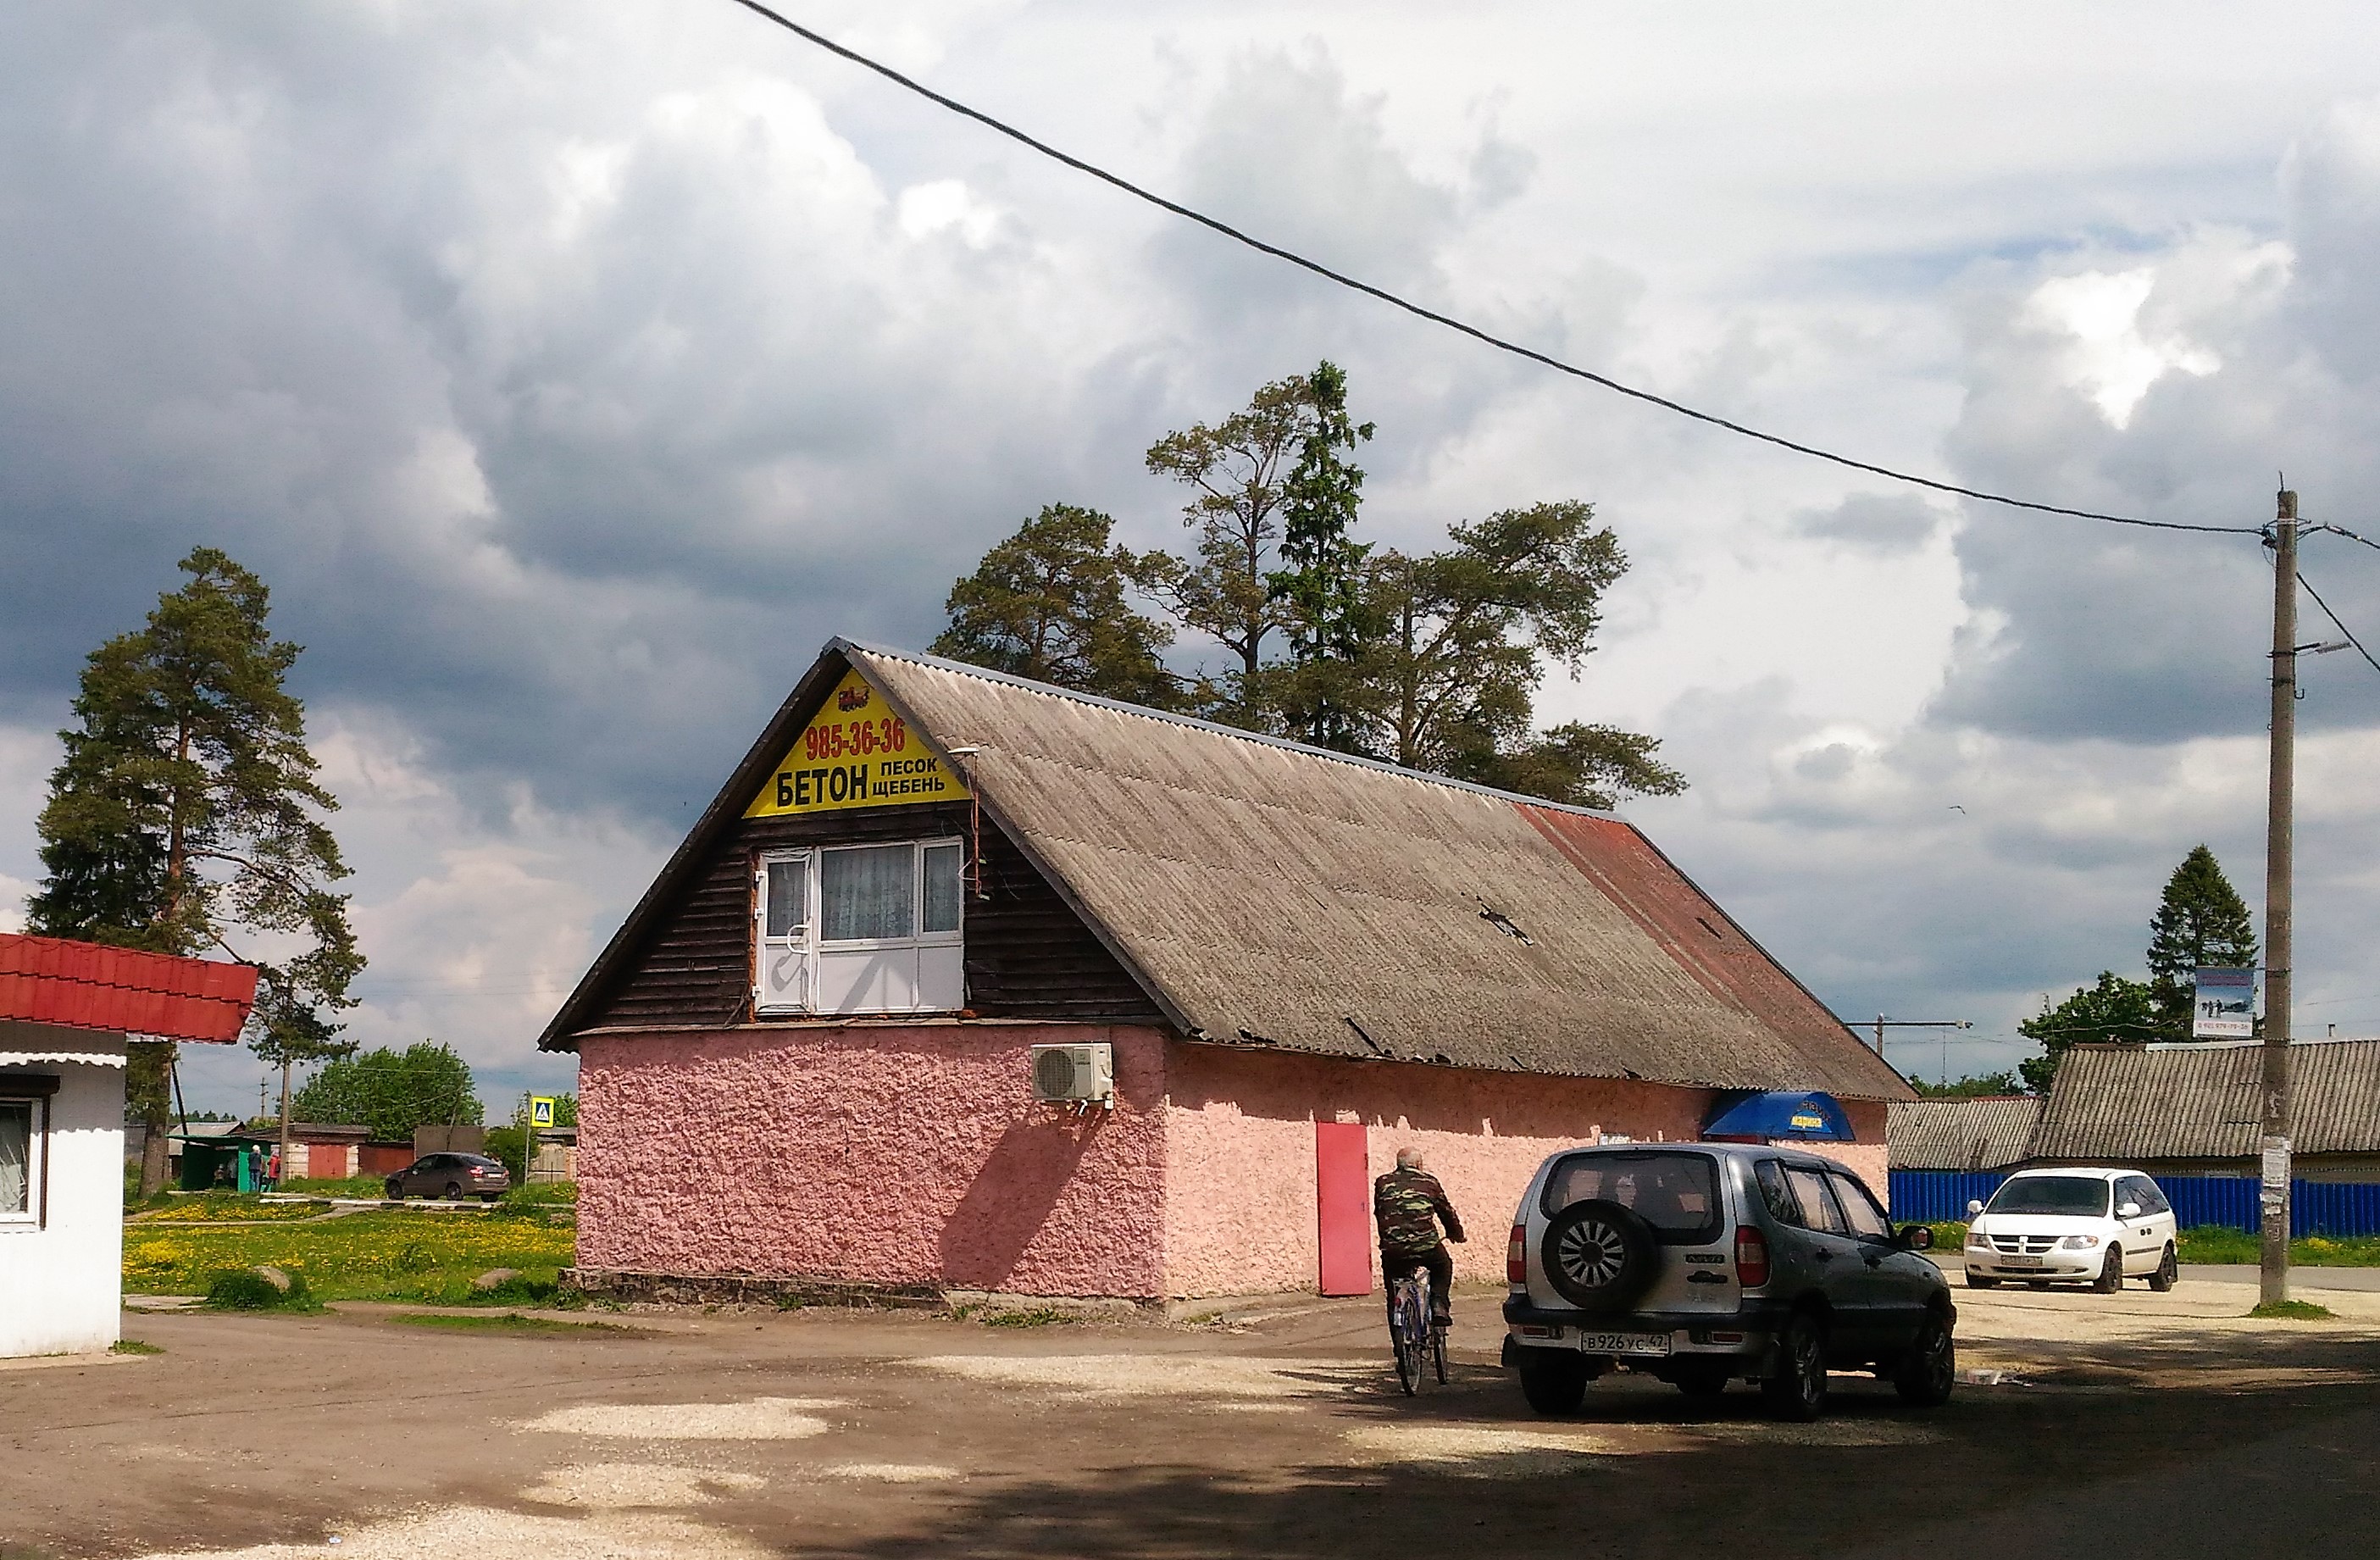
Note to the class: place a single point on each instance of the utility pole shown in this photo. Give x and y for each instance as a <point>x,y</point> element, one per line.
<point>2272,1285</point>
<point>1945,1025</point>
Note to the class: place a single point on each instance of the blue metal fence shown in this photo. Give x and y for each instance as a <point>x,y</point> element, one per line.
<point>2315,1207</point>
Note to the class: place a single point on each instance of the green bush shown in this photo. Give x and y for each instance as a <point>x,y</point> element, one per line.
<point>247,1289</point>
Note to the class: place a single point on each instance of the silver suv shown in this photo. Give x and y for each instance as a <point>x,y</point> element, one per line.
<point>1703,1263</point>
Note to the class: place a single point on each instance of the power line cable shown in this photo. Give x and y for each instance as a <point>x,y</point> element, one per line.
<point>2336,623</point>
<point>2342,531</point>
<point>1451,323</point>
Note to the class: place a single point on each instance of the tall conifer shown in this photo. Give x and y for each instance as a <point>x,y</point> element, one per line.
<point>185,819</point>
<point>2201,919</point>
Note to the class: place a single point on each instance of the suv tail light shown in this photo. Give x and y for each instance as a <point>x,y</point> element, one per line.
<point>1750,1257</point>
<point>1516,1256</point>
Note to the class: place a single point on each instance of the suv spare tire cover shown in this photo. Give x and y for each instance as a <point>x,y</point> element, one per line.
<point>1598,1255</point>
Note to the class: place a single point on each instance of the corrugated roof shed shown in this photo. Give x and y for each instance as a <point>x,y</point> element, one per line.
<point>1986,1134</point>
<point>1272,894</point>
<point>2129,1102</point>
<point>90,986</point>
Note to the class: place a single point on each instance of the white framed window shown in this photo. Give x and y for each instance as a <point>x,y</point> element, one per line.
<point>847,929</point>
<point>24,1145</point>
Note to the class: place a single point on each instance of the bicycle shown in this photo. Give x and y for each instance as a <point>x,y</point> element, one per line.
<point>1413,1333</point>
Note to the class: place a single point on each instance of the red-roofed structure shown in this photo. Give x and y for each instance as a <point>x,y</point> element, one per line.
<point>68,1011</point>
<point>124,991</point>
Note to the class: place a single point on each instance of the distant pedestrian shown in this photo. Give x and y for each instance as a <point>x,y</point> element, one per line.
<point>272,1171</point>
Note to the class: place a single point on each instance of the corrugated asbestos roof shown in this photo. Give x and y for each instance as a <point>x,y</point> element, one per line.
<point>2128,1102</point>
<point>1988,1134</point>
<point>90,986</point>
<point>1272,894</point>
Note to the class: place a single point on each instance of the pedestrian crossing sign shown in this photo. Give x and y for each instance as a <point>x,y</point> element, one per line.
<point>540,1110</point>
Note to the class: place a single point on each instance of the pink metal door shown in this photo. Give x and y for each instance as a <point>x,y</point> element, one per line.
<point>1342,1192</point>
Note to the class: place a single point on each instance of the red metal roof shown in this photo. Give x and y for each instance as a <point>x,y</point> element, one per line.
<point>90,987</point>
<point>1705,940</point>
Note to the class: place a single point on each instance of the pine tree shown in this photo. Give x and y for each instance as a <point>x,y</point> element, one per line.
<point>1238,472</point>
<point>1049,603</point>
<point>2201,919</point>
<point>186,811</point>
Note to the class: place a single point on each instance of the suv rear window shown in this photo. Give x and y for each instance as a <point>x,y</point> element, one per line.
<point>1675,1193</point>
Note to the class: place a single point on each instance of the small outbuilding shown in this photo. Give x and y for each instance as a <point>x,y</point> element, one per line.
<point>2198,1110</point>
<point>964,981</point>
<point>68,1011</point>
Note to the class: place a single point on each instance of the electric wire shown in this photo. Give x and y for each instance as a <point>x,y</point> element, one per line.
<point>1449,322</point>
<point>2342,531</point>
<point>2334,622</point>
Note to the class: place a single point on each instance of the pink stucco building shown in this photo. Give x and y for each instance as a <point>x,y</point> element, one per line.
<point>819,1053</point>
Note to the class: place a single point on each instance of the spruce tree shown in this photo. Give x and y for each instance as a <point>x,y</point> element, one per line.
<point>186,814</point>
<point>2201,919</point>
<point>1331,623</point>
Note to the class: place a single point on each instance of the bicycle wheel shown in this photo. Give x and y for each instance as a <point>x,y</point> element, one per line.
<point>1407,1339</point>
<point>1438,1351</point>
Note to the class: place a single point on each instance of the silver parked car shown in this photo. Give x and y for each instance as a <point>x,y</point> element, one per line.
<point>451,1176</point>
<point>1709,1262</point>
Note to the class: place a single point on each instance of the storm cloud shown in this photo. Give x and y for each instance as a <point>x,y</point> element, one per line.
<point>572,375</point>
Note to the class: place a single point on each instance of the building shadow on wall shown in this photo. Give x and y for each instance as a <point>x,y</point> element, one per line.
<point>1011,1199</point>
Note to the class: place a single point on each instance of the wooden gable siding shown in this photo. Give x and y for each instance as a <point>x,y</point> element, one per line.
<point>1027,954</point>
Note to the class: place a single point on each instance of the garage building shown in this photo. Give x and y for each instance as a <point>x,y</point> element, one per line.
<point>810,1057</point>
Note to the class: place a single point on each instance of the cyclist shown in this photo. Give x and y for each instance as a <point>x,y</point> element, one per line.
<point>1409,1205</point>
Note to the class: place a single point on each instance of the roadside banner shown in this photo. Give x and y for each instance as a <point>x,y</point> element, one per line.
<point>2225,1008</point>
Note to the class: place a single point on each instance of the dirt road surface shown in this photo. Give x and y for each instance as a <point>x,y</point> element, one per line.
<point>2145,1424</point>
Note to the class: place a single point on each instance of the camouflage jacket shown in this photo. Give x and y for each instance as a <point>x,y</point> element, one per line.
<point>1408,1205</point>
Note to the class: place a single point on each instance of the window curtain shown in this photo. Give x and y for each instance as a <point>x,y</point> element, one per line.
<point>16,1156</point>
<point>867,892</point>
<point>942,888</point>
<point>787,895</point>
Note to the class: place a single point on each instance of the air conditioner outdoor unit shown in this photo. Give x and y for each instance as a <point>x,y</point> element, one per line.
<point>1075,1072</point>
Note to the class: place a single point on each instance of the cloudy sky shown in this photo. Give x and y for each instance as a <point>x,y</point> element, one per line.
<point>572,372</point>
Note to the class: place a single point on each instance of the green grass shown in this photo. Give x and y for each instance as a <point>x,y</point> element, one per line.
<point>244,1289</point>
<point>1035,1316</point>
<point>2218,1245</point>
<point>421,1256</point>
<point>220,1207</point>
<point>505,1322</point>
<point>2292,1311</point>
<point>133,1346</point>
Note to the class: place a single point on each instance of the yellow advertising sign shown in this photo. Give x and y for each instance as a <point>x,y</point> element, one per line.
<point>855,752</point>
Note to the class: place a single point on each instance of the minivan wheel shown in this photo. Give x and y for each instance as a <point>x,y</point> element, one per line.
<point>1553,1382</point>
<point>1798,1389</point>
<point>2111,1271</point>
<point>1930,1369</point>
<point>2168,1270</point>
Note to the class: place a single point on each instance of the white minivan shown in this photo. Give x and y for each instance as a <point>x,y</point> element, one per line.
<point>2072,1226</point>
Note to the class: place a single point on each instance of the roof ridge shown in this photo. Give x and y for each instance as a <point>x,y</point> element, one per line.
<point>842,643</point>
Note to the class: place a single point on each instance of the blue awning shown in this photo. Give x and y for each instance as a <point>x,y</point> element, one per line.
<point>1817,1119</point>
